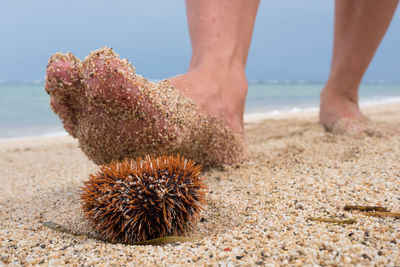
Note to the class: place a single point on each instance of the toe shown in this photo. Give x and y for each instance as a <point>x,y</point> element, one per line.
<point>108,78</point>
<point>349,127</point>
<point>64,87</point>
<point>62,76</point>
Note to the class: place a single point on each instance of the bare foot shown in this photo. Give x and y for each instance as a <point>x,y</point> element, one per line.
<point>341,114</point>
<point>115,113</point>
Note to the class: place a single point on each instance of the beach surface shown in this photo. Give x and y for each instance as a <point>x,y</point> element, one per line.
<point>257,213</point>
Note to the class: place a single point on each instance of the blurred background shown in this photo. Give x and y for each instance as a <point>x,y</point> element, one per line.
<point>288,62</point>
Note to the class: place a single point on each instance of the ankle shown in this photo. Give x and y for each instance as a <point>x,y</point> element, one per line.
<point>219,57</point>
<point>221,92</point>
<point>340,90</point>
<point>226,75</point>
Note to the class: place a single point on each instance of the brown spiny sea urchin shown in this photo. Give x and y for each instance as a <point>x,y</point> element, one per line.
<point>144,198</point>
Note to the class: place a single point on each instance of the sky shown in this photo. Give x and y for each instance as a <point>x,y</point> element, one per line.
<point>292,40</point>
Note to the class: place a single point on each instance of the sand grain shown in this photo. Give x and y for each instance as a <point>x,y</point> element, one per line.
<point>256,212</point>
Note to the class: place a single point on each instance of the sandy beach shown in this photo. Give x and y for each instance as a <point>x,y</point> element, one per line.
<point>257,213</point>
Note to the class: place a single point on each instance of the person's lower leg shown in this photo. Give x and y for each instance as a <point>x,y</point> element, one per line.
<point>220,33</point>
<point>359,28</point>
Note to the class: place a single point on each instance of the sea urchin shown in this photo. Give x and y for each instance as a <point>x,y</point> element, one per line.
<point>144,198</point>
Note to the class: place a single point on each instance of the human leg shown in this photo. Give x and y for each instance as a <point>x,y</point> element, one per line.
<point>115,113</point>
<point>359,28</point>
<point>220,33</point>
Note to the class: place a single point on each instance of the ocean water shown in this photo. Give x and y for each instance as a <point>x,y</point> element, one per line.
<point>25,109</point>
<point>274,98</point>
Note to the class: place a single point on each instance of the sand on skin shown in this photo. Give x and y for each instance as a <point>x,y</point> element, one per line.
<point>255,213</point>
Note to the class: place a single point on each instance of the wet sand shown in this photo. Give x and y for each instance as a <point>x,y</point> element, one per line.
<point>256,213</point>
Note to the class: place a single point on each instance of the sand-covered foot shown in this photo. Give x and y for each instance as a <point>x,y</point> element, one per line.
<point>121,114</point>
<point>63,84</point>
<point>340,114</point>
<point>356,128</point>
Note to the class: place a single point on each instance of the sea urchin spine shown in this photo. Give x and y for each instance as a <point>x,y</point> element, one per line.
<point>145,198</point>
